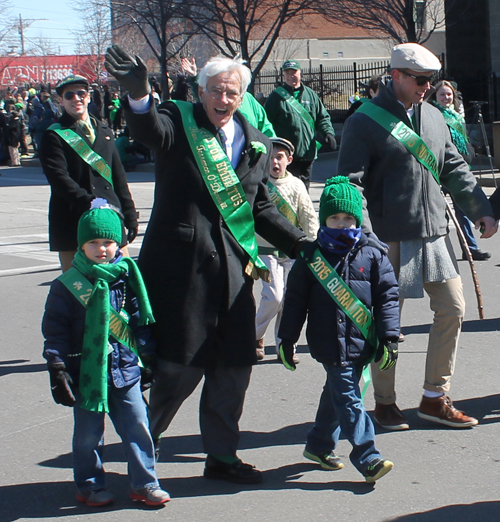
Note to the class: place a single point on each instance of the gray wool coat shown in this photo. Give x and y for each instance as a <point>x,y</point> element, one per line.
<point>401,198</point>
<point>192,266</point>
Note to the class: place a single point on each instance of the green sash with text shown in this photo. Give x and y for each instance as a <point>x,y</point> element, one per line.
<point>298,107</point>
<point>344,297</point>
<point>78,144</point>
<point>282,205</point>
<point>406,136</point>
<point>223,185</point>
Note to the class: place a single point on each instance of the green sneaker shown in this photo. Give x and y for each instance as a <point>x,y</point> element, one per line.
<point>327,461</point>
<point>377,470</point>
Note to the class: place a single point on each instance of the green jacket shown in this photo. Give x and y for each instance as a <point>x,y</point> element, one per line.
<point>289,124</point>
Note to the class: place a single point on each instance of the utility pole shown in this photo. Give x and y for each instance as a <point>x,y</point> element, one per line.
<point>24,24</point>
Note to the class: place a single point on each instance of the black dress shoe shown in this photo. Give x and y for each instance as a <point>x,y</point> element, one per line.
<point>477,255</point>
<point>238,472</point>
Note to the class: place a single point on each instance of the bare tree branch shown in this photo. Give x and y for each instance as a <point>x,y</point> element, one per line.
<point>248,27</point>
<point>159,22</point>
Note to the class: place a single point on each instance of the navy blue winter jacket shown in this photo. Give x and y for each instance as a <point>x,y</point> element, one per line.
<point>333,338</point>
<point>63,327</point>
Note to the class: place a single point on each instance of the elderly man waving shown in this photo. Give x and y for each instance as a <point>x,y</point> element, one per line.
<point>199,253</point>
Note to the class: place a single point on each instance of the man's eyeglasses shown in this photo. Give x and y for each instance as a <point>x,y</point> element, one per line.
<point>421,80</point>
<point>216,94</point>
<point>69,95</point>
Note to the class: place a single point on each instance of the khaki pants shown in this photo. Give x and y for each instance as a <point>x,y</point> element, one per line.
<point>448,304</point>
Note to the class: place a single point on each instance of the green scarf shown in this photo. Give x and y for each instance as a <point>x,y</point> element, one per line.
<point>456,124</point>
<point>94,365</point>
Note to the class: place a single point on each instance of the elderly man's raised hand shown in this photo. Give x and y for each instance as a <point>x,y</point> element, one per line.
<point>131,73</point>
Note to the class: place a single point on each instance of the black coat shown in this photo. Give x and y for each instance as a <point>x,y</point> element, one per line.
<point>75,184</point>
<point>192,265</point>
<point>333,338</point>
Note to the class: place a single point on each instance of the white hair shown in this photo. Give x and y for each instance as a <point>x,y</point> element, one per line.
<point>221,64</point>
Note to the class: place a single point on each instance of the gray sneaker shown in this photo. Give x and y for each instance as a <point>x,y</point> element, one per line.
<point>96,498</point>
<point>150,496</point>
<point>327,461</point>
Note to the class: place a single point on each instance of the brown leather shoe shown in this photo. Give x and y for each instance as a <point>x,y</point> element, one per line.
<point>441,410</point>
<point>389,416</point>
<point>260,350</point>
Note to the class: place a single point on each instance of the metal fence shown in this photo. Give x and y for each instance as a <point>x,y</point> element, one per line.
<point>334,85</point>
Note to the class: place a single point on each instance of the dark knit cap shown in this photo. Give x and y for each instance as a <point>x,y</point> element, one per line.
<point>99,223</point>
<point>340,196</point>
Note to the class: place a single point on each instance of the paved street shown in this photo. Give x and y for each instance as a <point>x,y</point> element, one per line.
<point>439,475</point>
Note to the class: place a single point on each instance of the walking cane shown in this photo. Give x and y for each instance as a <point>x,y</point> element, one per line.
<point>466,249</point>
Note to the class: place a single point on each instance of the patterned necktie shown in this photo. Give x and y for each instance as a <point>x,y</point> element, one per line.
<point>88,130</point>
<point>223,138</point>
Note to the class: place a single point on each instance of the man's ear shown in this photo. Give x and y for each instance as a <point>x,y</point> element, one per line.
<point>290,159</point>
<point>200,92</point>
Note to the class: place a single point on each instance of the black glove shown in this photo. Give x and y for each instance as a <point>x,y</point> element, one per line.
<point>331,141</point>
<point>131,73</point>
<point>148,372</point>
<point>147,378</point>
<point>132,233</point>
<point>387,354</point>
<point>286,354</point>
<point>299,246</point>
<point>60,385</point>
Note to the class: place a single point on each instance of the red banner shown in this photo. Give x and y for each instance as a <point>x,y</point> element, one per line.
<point>19,70</point>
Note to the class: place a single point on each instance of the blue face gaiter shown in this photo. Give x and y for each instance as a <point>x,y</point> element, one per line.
<point>338,240</point>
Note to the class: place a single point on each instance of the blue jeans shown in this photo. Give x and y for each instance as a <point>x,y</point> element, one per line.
<point>466,225</point>
<point>341,409</point>
<point>128,412</point>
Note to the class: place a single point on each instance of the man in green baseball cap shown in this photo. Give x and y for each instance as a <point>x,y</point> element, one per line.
<point>296,113</point>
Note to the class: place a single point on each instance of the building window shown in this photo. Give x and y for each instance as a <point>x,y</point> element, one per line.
<point>340,54</point>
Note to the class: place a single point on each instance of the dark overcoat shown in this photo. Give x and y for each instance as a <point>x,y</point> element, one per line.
<point>192,266</point>
<point>74,184</point>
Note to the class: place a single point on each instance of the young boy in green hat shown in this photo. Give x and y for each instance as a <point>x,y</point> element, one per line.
<point>96,328</point>
<point>345,285</point>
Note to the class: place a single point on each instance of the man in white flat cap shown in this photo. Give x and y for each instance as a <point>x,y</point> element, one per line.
<point>398,152</point>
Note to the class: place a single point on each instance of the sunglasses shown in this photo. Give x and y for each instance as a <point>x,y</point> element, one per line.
<point>420,80</point>
<point>69,95</point>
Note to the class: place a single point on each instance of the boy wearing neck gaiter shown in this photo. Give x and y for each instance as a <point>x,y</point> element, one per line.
<point>345,286</point>
<point>96,327</point>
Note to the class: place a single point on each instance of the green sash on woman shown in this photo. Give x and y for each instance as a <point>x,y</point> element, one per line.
<point>224,187</point>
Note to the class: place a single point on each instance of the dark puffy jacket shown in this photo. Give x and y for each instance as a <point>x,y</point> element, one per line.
<point>333,339</point>
<point>63,327</point>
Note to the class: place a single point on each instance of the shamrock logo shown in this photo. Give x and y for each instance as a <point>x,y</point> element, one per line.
<point>78,285</point>
<point>85,380</point>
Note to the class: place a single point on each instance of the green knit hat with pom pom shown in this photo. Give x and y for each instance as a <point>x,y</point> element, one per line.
<point>340,196</point>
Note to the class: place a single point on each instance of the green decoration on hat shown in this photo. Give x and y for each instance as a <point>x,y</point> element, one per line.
<point>99,223</point>
<point>340,196</point>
